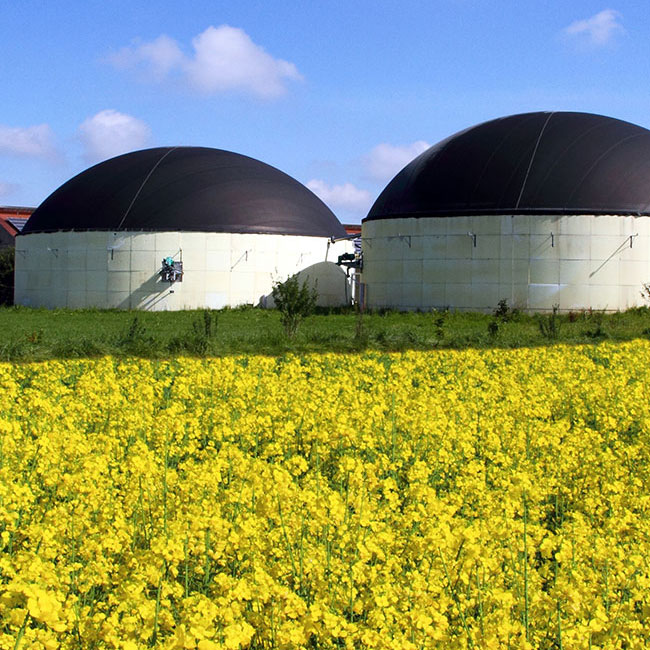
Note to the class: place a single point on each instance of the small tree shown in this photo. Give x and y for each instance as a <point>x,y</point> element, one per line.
<point>294,301</point>
<point>7,262</point>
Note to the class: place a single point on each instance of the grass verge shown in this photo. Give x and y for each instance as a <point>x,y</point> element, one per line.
<point>37,334</point>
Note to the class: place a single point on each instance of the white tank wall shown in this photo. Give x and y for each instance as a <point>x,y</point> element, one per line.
<point>534,262</point>
<point>107,269</point>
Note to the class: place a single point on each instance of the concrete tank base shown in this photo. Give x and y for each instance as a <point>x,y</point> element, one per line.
<point>104,269</point>
<point>534,262</point>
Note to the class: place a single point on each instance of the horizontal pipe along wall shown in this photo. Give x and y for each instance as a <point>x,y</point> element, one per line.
<point>534,262</point>
<point>122,269</point>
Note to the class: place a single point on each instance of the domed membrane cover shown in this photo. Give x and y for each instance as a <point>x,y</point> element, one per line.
<point>533,163</point>
<point>185,189</point>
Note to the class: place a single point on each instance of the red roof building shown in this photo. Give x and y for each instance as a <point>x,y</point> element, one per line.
<point>353,228</point>
<point>12,220</point>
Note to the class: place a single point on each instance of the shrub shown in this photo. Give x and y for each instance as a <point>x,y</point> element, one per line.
<point>502,310</point>
<point>136,339</point>
<point>596,317</point>
<point>198,341</point>
<point>502,314</point>
<point>549,324</point>
<point>294,301</point>
<point>206,324</point>
<point>505,313</point>
<point>136,331</point>
<point>493,326</point>
<point>7,263</point>
<point>439,323</point>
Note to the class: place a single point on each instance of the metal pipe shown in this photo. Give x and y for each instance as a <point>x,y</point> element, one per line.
<point>333,240</point>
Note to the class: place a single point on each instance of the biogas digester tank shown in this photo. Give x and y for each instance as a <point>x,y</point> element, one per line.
<point>176,228</point>
<point>540,209</point>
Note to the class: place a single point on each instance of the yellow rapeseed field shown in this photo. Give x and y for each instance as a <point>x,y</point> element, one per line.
<point>472,499</point>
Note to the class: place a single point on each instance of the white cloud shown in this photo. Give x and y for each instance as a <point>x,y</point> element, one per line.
<point>598,30</point>
<point>224,59</point>
<point>29,142</point>
<point>7,188</point>
<point>346,196</point>
<point>160,56</point>
<point>227,59</point>
<point>385,160</point>
<point>110,133</point>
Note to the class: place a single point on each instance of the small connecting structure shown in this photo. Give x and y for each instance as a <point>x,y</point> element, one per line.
<point>351,261</point>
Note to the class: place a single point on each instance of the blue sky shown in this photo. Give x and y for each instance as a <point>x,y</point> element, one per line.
<point>339,95</point>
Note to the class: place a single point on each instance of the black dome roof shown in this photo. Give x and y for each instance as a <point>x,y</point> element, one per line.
<point>185,188</point>
<point>533,163</point>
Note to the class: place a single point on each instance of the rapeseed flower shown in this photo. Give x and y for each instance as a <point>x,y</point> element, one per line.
<point>474,499</point>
